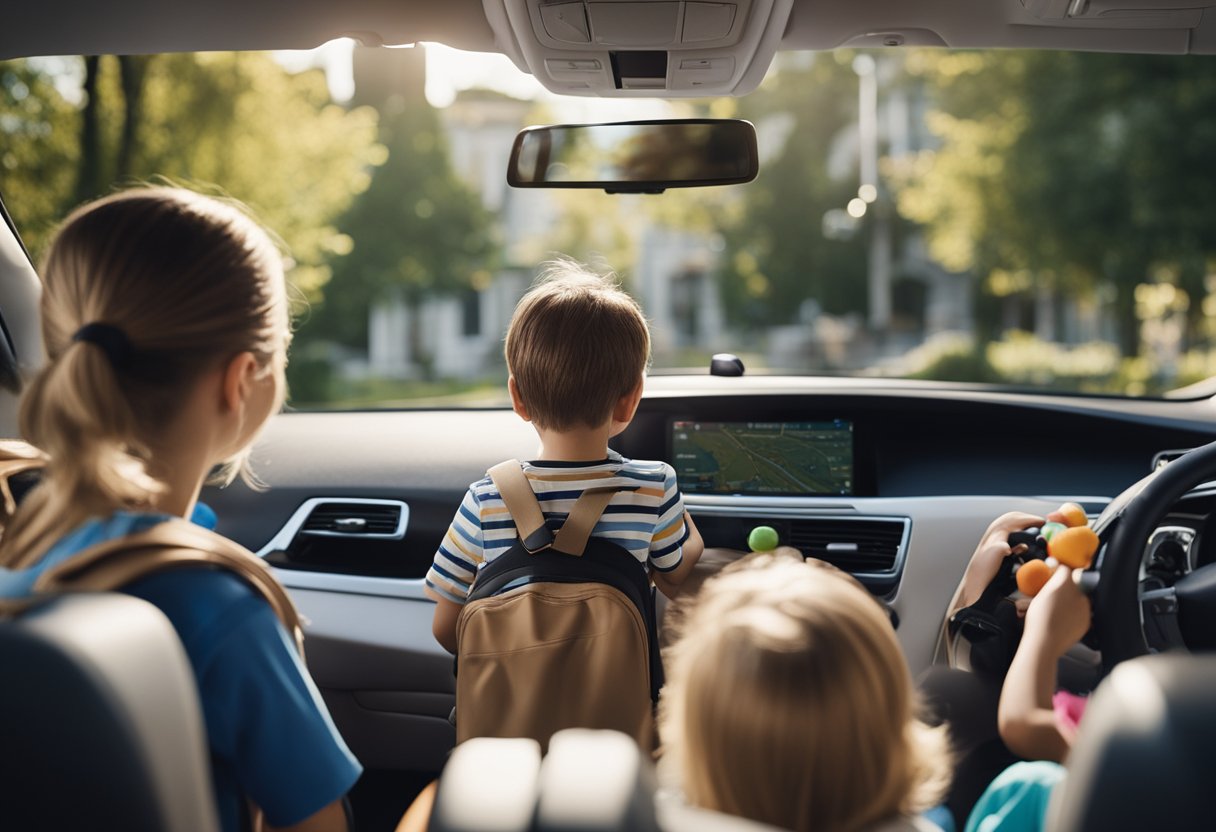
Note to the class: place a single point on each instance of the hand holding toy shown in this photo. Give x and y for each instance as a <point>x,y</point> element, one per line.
<point>1066,539</point>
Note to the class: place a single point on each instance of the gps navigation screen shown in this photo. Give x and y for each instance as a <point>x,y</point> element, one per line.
<point>806,458</point>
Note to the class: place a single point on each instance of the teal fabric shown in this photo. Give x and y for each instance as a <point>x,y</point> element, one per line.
<point>1016,801</point>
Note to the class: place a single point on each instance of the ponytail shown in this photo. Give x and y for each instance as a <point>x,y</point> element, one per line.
<point>143,291</point>
<point>76,413</point>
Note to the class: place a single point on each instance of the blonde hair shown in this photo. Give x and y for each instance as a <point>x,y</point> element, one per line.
<point>178,283</point>
<point>576,345</point>
<point>790,703</point>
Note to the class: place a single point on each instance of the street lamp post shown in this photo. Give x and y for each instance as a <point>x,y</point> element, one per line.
<point>879,261</point>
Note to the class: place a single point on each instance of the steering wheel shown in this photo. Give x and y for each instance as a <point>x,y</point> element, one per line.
<point>1183,615</point>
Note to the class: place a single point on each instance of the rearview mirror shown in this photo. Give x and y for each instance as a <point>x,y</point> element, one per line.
<point>635,156</point>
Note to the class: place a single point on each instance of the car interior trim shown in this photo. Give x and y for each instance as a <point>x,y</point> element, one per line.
<point>900,553</point>
<point>739,505</point>
<point>412,589</point>
<point>295,524</point>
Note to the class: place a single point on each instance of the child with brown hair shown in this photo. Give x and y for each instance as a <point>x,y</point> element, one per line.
<point>165,322</point>
<point>789,702</point>
<point>577,351</point>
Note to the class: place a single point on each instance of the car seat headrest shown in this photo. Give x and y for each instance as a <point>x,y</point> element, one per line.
<point>1144,754</point>
<point>101,720</point>
<point>590,781</point>
<point>596,781</point>
<point>489,784</point>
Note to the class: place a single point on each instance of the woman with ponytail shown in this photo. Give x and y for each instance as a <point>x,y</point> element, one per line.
<point>166,328</point>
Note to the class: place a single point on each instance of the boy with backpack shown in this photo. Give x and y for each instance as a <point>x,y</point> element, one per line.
<point>577,350</point>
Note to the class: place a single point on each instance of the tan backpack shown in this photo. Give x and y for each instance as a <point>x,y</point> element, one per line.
<point>559,631</point>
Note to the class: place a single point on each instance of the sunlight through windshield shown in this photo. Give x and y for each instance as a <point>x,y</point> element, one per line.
<point>1030,219</point>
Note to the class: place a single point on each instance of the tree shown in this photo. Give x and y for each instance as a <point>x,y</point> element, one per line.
<point>39,151</point>
<point>417,231</point>
<point>272,139</point>
<point>231,123</point>
<point>777,255</point>
<point>1069,171</point>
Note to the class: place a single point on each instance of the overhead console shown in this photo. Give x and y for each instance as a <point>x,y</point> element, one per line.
<point>1121,14</point>
<point>633,48</point>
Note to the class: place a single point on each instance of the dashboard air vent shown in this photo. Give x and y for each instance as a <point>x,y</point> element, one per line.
<point>857,546</point>
<point>355,519</point>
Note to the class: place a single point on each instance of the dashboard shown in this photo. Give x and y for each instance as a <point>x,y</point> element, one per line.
<point>894,482</point>
<point>801,459</point>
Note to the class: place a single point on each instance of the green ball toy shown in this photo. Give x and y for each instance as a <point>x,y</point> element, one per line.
<point>1050,530</point>
<point>763,539</point>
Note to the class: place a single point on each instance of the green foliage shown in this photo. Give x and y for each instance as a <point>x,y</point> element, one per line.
<point>1020,359</point>
<point>268,137</point>
<point>951,357</point>
<point>777,255</point>
<point>1073,169</point>
<point>38,149</point>
<point>419,230</point>
<point>310,379</point>
<point>383,392</point>
<point>235,123</point>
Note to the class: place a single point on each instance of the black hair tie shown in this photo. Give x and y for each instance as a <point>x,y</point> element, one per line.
<point>112,341</point>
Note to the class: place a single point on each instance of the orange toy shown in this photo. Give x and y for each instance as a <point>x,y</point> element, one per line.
<point>1074,547</point>
<point>1066,538</point>
<point>1070,514</point>
<point>1032,576</point>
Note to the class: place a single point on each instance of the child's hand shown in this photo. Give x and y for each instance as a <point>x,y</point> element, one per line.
<point>992,550</point>
<point>1060,615</point>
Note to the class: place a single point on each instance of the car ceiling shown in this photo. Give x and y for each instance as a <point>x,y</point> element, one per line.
<point>144,26</point>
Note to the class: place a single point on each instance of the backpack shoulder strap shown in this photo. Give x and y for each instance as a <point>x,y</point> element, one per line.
<point>516,492</point>
<point>584,514</point>
<point>172,544</point>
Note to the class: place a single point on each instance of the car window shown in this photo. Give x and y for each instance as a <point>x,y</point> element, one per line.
<point>1033,219</point>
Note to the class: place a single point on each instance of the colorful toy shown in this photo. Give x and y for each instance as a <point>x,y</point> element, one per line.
<point>1074,547</point>
<point>763,539</point>
<point>1050,530</point>
<point>1070,514</point>
<point>1032,576</point>
<point>1066,539</point>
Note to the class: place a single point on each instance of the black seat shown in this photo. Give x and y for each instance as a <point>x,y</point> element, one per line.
<point>100,720</point>
<point>1146,753</point>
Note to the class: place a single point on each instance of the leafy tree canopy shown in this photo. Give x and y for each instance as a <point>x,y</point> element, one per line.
<point>238,122</point>
<point>777,254</point>
<point>1069,170</point>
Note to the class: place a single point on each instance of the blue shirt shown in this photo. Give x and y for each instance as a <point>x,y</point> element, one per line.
<point>270,736</point>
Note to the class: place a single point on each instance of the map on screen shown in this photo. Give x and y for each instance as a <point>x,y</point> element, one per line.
<point>763,457</point>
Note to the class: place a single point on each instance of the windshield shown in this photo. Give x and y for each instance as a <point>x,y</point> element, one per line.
<point>1034,219</point>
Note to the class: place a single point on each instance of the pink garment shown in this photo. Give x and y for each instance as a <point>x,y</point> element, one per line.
<point>1069,708</point>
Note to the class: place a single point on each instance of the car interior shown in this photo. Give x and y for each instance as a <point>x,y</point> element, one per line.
<point>358,500</point>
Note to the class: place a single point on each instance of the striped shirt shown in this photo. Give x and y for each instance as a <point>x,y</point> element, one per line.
<point>645,517</point>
